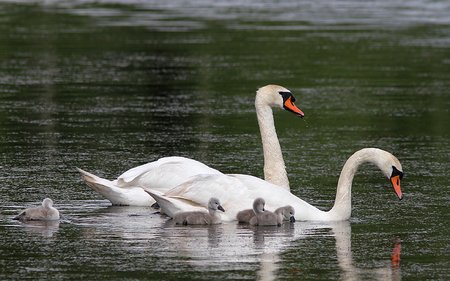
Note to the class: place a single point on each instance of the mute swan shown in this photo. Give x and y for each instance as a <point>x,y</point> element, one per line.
<point>169,172</point>
<point>236,192</point>
<point>263,217</point>
<point>200,217</point>
<point>46,212</point>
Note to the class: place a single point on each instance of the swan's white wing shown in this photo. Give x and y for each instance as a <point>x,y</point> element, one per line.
<point>160,175</point>
<point>164,173</point>
<point>171,206</point>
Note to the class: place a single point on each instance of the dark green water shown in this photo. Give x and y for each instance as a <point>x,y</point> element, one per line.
<point>110,86</point>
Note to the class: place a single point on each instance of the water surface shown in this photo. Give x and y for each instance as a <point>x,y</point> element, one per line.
<point>114,84</point>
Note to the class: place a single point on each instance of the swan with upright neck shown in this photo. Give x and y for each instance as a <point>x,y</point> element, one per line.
<point>237,192</point>
<point>168,172</point>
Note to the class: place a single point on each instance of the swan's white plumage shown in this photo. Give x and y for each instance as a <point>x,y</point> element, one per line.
<point>168,172</point>
<point>161,175</point>
<point>237,192</point>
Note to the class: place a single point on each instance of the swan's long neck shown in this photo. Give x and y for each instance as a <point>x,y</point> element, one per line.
<point>274,168</point>
<point>342,205</point>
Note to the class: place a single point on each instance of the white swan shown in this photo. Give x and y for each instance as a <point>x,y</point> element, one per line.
<point>168,172</point>
<point>46,212</point>
<point>237,192</point>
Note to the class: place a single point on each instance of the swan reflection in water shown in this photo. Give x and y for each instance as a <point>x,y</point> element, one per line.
<point>269,259</point>
<point>233,246</point>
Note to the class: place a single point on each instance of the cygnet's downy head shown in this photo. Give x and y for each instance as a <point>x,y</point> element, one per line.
<point>258,205</point>
<point>287,213</point>
<point>47,203</point>
<point>214,204</point>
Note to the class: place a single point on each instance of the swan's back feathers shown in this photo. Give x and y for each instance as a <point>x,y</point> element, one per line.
<point>167,171</point>
<point>161,175</point>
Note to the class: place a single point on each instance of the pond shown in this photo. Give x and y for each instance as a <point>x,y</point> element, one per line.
<point>110,85</point>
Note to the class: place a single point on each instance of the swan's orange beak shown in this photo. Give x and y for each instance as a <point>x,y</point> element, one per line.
<point>289,105</point>
<point>395,180</point>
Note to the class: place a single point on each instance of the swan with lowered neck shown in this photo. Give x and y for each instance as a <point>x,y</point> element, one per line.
<point>168,172</point>
<point>237,192</point>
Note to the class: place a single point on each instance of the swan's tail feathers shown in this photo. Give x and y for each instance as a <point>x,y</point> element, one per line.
<point>105,187</point>
<point>97,183</point>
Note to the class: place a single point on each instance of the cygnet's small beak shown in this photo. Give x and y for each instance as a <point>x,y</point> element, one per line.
<point>221,208</point>
<point>292,219</point>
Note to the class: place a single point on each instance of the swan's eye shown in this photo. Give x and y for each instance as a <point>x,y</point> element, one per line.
<point>396,172</point>
<point>287,95</point>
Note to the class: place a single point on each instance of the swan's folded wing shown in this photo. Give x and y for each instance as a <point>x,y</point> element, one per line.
<point>171,206</point>
<point>164,173</point>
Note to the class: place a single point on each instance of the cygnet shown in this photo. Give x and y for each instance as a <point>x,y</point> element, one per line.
<point>200,217</point>
<point>287,213</point>
<point>245,216</point>
<point>263,217</point>
<point>46,212</point>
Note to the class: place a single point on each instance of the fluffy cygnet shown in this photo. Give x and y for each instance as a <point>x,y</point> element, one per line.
<point>287,213</point>
<point>200,217</point>
<point>46,212</point>
<point>263,217</point>
<point>245,216</point>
